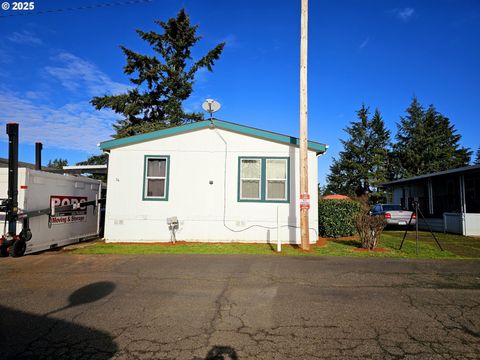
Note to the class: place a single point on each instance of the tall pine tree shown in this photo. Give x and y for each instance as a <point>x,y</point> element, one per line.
<point>379,161</point>
<point>363,164</point>
<point>426,142</point>
<point>161,84</point>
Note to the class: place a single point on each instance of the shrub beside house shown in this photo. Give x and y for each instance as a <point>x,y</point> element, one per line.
<point>336,217</point>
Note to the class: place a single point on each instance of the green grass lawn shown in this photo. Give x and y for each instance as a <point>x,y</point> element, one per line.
<point>456,247</point>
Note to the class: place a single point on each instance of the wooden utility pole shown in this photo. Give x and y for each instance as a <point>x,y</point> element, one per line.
<point>304,197</point>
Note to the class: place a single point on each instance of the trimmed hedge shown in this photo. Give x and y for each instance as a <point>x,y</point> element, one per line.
<point>336,217</point>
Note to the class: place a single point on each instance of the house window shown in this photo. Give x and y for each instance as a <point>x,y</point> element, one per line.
<point>263,179</point>
<point>276,179</point>
<point>250,179</point>
<point>156,177</point>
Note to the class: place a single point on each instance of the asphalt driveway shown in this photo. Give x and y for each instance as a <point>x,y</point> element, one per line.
<point>239,307</point>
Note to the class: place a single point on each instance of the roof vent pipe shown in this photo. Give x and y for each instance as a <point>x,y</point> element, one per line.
<point>38,155</point>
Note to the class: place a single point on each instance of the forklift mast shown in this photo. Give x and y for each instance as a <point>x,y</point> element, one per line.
<point>12,201</point>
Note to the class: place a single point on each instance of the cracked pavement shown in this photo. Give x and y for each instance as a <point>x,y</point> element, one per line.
<point>61,306</point>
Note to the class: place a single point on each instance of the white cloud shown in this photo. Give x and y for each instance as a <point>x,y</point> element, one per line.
<point>404,14</point>
<point>75,126</point>
<point>72,123</point>
<point>35,95</point>
<point>77,74</point>
<point>231,41</point>
<point>364,43</point>
<point>5,58</point>
<point>195,101</point>
<point>24,37</point>
<point>201,76</point>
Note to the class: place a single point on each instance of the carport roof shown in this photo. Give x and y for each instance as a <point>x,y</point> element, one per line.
<point>242,129</point>
<point>439,173</point>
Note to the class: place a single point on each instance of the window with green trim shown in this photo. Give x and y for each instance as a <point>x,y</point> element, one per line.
<point>250,179</point>
<point>276,179</point>
<point>262,179</point>
<point>156,172</point>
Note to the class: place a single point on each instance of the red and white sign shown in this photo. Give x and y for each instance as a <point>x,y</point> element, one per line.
<point>304,196</point>
<point>304,201</point>
<point>79,214</point>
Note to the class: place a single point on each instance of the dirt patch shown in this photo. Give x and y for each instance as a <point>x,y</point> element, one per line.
<point>164,243</point>
<point>342,238</point>
<point>75,246</point>
<point>321,241</point>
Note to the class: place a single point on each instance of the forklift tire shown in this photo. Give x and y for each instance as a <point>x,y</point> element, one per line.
<point>3,251</point>
<point>26,234</point>
<point>18,248</point>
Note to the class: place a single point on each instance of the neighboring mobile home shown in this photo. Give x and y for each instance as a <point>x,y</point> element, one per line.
<point>449,200</point>
<point>222,181</point>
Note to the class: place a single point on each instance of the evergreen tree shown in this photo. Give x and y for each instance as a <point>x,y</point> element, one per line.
<point>426,142</point>
<point>96,160</point>
<point>477,159</point>
<point>57,163</point>
<point>161,83</point>
<point>379,161</point>
<point>408,148</point>
<point>323,191</point>
<point>363,164</point>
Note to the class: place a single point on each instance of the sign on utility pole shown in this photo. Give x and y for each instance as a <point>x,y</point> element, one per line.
<point>304,196</point>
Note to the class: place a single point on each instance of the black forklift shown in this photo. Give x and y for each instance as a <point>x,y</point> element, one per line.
<point>11,242</point>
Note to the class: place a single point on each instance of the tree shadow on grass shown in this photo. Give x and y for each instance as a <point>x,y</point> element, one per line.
<point>30,336</point>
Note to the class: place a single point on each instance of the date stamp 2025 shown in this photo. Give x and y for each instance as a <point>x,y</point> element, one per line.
<point>18,5</point>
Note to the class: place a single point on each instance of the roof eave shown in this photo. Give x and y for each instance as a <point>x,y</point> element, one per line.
<point>263,134</point>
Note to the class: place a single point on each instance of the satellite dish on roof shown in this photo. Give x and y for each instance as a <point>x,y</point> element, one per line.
<point>211,106</point>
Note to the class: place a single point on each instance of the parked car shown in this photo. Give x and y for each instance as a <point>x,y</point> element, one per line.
<point>394,214</point>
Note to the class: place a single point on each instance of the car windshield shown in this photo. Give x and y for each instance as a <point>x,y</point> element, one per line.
<point>392,207</point>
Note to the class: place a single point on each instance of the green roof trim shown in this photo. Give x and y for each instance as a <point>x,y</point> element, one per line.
<point>225,125</point>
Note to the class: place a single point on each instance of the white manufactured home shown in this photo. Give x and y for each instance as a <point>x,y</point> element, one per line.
<point>222,181</point>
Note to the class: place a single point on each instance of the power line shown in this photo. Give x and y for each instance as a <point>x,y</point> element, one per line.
<point>85,7</point>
